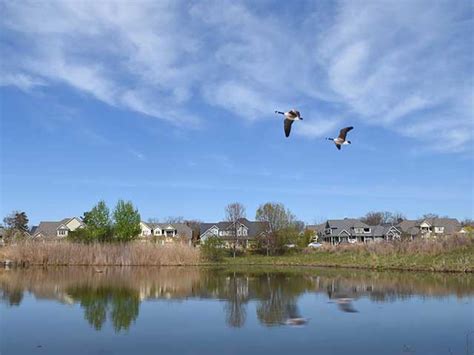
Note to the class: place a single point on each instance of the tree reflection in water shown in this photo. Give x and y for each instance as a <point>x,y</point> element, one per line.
<point>12,297</point>
<point>121,304</point>
<point>236,292</point>
<point>116,294</point>
<point>278,295</point>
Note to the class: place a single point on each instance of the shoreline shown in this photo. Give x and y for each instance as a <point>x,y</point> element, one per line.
<point>455,260</point>
<point>7,264</point>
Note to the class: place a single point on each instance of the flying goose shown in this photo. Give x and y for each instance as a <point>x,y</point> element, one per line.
<point>290,117</point>
<point>341,140</point>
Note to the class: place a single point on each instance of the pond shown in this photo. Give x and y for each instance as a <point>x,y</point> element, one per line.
<point>172,310</point>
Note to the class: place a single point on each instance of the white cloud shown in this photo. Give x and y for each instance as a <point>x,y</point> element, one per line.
<point>397,64</point>
<point>22,81</point>
<point>403,65</point>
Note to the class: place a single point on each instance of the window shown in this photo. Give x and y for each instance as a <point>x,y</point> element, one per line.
<point>366,230</point>
<point>359,230</point>
<point>439,229</point>
<point>62,232</point>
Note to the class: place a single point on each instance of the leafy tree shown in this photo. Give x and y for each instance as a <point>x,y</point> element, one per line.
<point>98,223</point>
<point>16,224</point>
<point>79,235</point>
<point>127,221</point>
<point>97,226</point>
<point>213,248</point>
<point>305,238</point>
<point>284,228</point>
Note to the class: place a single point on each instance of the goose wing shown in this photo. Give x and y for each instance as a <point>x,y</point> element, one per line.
<point>288,124</point>
<point>338,146</point>
<point>343,132</point>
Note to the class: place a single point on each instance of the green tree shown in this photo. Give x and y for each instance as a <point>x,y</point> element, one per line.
<point>213,248</point>
<point>98,223</point>
<point>16,224</point>
<point>127,221</point>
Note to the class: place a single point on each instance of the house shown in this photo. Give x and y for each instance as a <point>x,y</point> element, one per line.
<point>349,230</point>
<point>430,227</point>
<point>247,231</point>
<point>59,229</point>
<point>317,230</point>
<point>169,232</point>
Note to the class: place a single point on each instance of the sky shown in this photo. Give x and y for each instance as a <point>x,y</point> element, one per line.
<point>170,104</point>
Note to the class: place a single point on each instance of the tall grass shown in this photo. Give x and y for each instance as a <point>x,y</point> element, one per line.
<point>125,254</point>
<point>427,246</point>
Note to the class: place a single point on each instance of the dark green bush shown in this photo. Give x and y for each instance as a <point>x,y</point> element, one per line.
<point>212,249</point>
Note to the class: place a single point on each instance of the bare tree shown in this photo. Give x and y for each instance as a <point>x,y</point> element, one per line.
<point>174,219</point>
<point>375,218</point>
<point>234,212</point>
<point>397,217</point>
<point>194,224</point>
<point>467,222</point>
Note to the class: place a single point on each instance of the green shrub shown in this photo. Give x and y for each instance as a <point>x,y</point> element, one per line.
<point>212,249</point>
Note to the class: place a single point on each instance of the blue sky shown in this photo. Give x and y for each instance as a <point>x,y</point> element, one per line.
<point>170,104</point>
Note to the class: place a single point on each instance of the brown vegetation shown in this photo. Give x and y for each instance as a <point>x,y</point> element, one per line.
<point>120,254</point>
<point>429,246</point>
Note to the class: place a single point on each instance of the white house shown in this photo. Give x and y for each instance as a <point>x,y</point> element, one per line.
<point>169,231</point>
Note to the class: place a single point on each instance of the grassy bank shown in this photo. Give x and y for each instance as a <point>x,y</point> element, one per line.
<point>447,255</point>
<point>455,255</point>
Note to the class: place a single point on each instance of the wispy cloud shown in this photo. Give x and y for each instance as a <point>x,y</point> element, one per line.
<point>22,81</point>
<point>403,65</point>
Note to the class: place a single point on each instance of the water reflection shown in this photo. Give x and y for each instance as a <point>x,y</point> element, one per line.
<point>115,294</point>
<point>120,304</point>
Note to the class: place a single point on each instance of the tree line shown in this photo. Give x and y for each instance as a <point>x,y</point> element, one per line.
<point>122,225</point>
<point>284,231</point>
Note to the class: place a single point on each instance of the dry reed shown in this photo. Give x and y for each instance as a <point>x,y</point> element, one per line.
<point>127,254</point>
<point>428,246</point>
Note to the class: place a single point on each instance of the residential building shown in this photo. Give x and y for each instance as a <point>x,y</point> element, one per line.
<point>317,229</point>
<point>247,231</point>
<point>168,232</point>
<point>430,227</point>
<point>349,230</point>
<point>57,229</point>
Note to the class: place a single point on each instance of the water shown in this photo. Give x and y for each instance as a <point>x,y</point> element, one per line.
<point>234,311</point>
